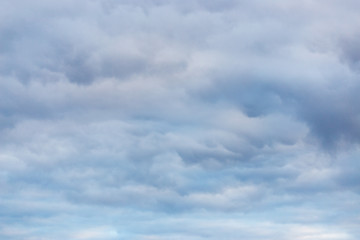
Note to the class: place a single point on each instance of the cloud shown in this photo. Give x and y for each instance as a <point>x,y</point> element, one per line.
<point>179,119</point>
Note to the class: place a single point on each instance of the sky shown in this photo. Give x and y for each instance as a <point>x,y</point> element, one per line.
<point>169,119</point>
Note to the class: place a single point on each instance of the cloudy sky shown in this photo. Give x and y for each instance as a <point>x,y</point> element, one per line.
<point>179,119</point>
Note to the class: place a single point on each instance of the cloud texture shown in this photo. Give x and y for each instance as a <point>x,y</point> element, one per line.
<point>179,120</point>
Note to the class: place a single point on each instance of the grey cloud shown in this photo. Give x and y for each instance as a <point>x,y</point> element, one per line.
<point>169,119</point>
<point>350,51</point>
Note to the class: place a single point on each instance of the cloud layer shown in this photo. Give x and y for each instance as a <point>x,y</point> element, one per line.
<point>179,120</point>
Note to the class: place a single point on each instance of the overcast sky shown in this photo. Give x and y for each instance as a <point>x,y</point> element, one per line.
<point>179,119</point>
